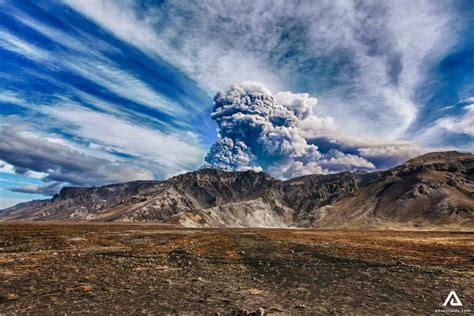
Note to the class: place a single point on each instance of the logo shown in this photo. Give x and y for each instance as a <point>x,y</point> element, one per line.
<point>452,300</point>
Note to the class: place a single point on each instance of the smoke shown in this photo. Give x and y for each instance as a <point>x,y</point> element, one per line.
<point>262,131</point>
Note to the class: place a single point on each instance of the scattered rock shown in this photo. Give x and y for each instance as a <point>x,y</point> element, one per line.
<point>240,312</point>
<point>244,312</point>
<point>8,297</point>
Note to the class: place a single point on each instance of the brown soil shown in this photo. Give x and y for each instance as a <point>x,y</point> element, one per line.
<point>156,269</point>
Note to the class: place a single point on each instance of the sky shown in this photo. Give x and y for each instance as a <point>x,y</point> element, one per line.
<point>102,91</point>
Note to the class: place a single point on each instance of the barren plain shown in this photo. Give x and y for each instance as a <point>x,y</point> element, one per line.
<point>53,267</point>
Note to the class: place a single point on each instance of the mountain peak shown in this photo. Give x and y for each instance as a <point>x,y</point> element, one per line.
<point>440,157</point>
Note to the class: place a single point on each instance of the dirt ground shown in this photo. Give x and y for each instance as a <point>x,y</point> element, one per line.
<point>155,269</point>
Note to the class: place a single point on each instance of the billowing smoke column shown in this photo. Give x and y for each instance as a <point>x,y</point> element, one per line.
<point>260,131</point>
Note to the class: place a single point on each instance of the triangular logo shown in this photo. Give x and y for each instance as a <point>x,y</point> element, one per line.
<point>452,300</point>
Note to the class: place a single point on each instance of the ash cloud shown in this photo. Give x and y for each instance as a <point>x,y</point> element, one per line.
<point>262,131</point>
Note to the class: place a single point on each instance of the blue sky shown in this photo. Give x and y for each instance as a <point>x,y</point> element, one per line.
<point>94,92</point>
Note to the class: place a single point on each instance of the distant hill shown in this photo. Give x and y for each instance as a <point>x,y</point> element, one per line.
<point>430,191</point>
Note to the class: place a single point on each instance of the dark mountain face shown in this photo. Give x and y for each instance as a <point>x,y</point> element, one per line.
<point>430,190</point>
<point>210,187</point>
<point>307,193</point>
<point>433,189</point>
<point>77,203</point>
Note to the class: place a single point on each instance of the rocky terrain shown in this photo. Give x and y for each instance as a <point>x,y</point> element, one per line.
<point>77,203</point>
<point>431,191</point>
<point>50,268</point>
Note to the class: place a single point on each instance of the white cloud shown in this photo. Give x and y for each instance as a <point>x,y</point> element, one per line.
<point>121,83</point>
<point>461,124</point>
<point>336,160</point>
<point>85,44</point>
<point>16,45</point>
<point>6,167</point>
<point>95,68</point>
<point>403,151</point>
<point>442,130</point>
<point>170,152</point>
<point>166,153</point>
<point>212,65</point>
<point>363,60</point>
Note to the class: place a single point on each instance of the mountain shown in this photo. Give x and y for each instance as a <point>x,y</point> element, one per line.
<point>76,203</point>
<point>433,190</point>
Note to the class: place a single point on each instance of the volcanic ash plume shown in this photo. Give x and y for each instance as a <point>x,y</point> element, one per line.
<point>260,131</point>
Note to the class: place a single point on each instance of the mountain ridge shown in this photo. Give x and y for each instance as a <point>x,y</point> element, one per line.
<point>432,190</point>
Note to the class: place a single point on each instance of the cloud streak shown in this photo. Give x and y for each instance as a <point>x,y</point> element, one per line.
<point>164,153</point>
<point>364,60</point>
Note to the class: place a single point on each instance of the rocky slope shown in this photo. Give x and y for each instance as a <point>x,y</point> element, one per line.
<point>76,203</point>
<point>436,189</point>
<point>432,190</point>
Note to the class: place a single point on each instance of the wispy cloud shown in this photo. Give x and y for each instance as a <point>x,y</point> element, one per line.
<point>130,83</point>
<point>457,129</point>
<point>18,46</point>
<point>364,60</point>
<point>121,83</point>
<point>89,140</point>
<point>460,124</point>
<point>213,62</point>
<point>98,70</point>
<point>81,44</point>
<point>167,153</point>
